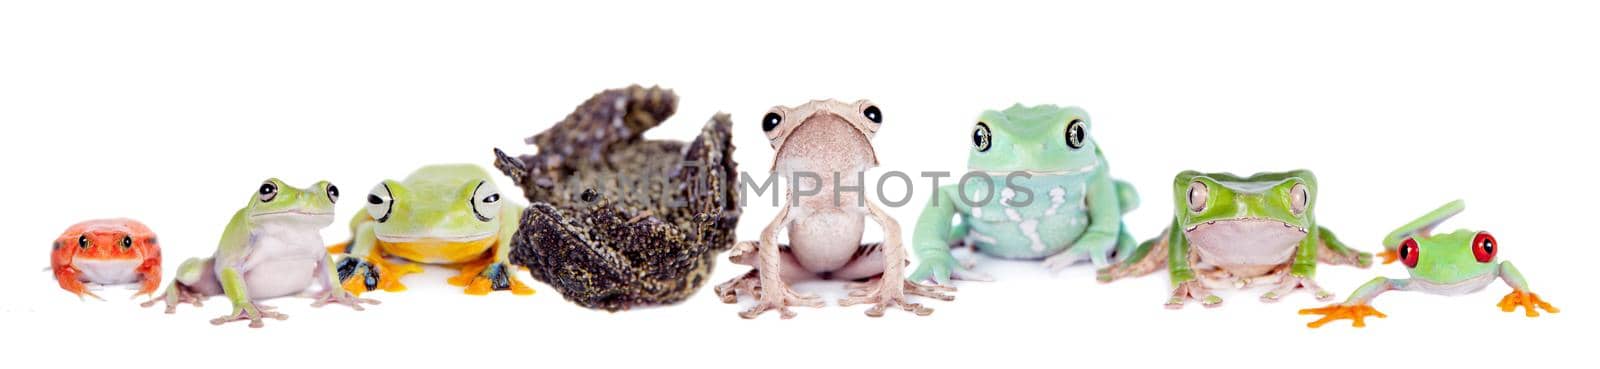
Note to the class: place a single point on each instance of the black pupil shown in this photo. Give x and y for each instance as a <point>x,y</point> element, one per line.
<point>1075,135</point>
<point>588,195</point>
<point>980,137</point>
<point>873,114</point>
<point>1488,246</point>
<point>373,199</point>
<point>268,188</point>
<point>770,122</point>
<point>83,241</point>
<point>1405,251</point>
<point>127,241</point>
<point>492,198</point>
<point>333,191</point>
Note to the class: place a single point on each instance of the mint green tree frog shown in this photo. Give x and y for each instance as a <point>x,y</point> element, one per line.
<point>1235,232</point>
<point>1449,264</point>
<point>271,248</point>
<point>440,214</point>
<point>1046,193</point>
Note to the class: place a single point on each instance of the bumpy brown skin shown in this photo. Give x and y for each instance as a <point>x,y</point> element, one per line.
<point>605,244</point>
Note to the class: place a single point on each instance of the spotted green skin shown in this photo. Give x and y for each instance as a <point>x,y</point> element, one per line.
<point>1442,260</point>
<point>1075,208</point>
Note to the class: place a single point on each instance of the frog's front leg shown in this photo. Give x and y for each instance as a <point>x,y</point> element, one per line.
<point>233,285</point>
<point>775,293</point>
<point>364,268</point>
<point>1301,272</point>
<point>1358,307</point>
<point>932,238</point>
<point>332,291</point>
<point>1105,227</point>
<point>1179,265</point>
<point>496,273</point>
<point>1520,295</point>
<point>892,286</point>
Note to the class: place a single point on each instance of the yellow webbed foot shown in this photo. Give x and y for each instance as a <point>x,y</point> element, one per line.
<point>362,274</point>
<point>1389,256</point>
<point>482,277</point>
<point>1526,300</point>
<point>1357,313</point>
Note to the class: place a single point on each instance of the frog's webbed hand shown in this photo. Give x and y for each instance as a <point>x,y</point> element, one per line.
<point>179,292</point>
<point>332,292</point>
<point>496,272</point>
<point>1521,295</point>
<point>775,294</point>
<point>362,268</point>
<point>892,287</point>
<point>1357,307</point>
<point>1421,227</point>
<point>1186,285</point>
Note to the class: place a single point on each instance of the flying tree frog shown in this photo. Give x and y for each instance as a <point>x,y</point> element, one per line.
<point>1236,232</point>
<point>1056,200</point>
<point>106,252</point>
<point>1455,263</point>
<point>441,214</point>
<point>823,146</point>
<point>272,248</point>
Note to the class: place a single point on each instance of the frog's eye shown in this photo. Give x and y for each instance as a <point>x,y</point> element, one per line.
<point>1409,252</point>
<point>1484,247</point>
<point>1198,195</point>
<point>83,242</point>
<point>981,137</point>
<point>267,192</point>
<point>380,202</point>
<point>485,201</point>
<point>333,193</point>
<point>1077,133</point>
<point>1299,198</point>
<point>873,114</point>
<point>127,242</point>
<point>771,121</point>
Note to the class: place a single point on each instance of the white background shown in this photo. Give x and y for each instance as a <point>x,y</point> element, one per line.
<point>172,113</point>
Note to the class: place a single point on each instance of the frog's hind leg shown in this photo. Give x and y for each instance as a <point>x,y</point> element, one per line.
<point>749,284</point>
<point>866,268</point>
<point>1148,257</point>
<point>1334,252</point>
<point>194,282</point>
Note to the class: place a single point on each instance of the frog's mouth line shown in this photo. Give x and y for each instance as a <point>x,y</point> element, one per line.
<point>1063,172</point>
<point>290,212</point>
<point>435,238</point>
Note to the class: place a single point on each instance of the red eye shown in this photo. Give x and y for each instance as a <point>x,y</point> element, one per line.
<point>1408,252</point>
<point>1484,246</point>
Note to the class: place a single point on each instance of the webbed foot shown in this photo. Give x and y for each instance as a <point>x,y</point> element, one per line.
<point>175,296</point>
<point>362,274</point>
<point>781,301</point>
<point>1192,290</point>
<point>941,269</point>
<point>252,312</point>
<point>883,294</point>
<point>1095,246</point>
<point>1527,300</point>
<point>1290,284</point>
<point>486,276</point>
<point>1357,313</point>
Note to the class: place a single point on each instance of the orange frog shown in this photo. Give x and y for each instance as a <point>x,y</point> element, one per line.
<point>106,252</point>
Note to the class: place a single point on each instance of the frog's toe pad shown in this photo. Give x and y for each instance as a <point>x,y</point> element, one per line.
<point>1527,300</point>
<point>1389,256</point>
<point>1356,313</point>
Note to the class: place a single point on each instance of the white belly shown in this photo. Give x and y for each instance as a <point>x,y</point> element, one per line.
<point>1474,284</point>
<point>826,240</point>
<point>282,261</point>
<point>107,271</point>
